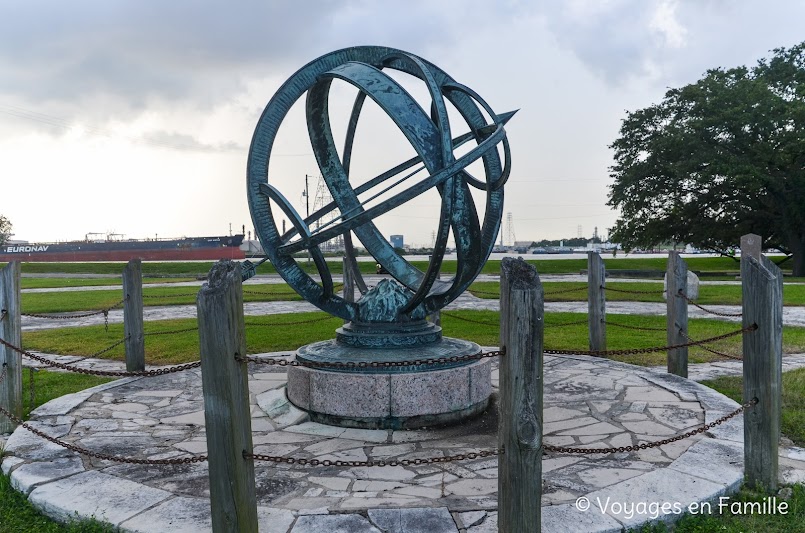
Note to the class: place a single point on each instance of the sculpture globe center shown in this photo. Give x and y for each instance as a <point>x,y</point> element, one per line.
<point>387,352</point>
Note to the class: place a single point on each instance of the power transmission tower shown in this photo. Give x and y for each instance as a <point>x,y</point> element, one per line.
<point>510,229</point>
<point>322,198</point>
<point>578,231</point>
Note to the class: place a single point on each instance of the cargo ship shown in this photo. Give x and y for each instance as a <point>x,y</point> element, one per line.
<point>111,249</point>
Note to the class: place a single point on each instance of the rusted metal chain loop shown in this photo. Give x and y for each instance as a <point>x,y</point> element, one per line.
<point>563,291</point>
<point>394,462</point>
<point>165,296</point>
<point>102,456</point>
<point>629,291</point>
<point>111,373</point>
<point>3,374</point>
<point>170,332</point>
<point>564,324</point>
<point>638,328</point>
<point>3,314</point>
<point>309,321</point>
<point>706,310</point>
<point>485,293</point>
<point>457,317</point>
<point>336,286</point>
<point>635,351</point>
<point>716,352</point>
<point>370,364</point>
<point>74,315</point>
<point>647,445</point>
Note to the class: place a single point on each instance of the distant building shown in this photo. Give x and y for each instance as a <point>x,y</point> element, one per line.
<point>397,241</point>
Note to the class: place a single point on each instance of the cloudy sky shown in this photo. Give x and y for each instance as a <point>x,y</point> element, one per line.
<point>135,117</point>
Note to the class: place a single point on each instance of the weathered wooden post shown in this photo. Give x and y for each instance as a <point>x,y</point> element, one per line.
<point>11,332</point>
<point>596,301</point>
<point>521,384</point>
<point>133,316</point>
<point>225,384</point>
<point>677,313</point>
<point>762,283</point>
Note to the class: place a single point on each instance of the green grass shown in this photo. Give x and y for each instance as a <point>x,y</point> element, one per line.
<point>51,385</point>
<point>793,522</point>
<point>62,302</point>
<point>793,400</point>
<point>58,283</point>
<point>290,331</point>
<point>16,513</point>
<point>793,295</point>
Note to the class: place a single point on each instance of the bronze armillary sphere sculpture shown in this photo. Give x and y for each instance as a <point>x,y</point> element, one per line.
<point>431,135</point>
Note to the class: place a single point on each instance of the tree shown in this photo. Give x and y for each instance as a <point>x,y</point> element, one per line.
<point>5,230</point>
<point>717,159</point>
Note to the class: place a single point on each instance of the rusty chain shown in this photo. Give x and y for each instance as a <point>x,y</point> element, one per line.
<point>296,323</point>
<point>165,296</point>
<point>628,291</point>
<point>638,328</point>
<point>635,351</point>
<point>716,352</point>
<point>457,317</point>
<point>371,364</point>
<point>563,291</point>
<point>170,332</point>
<point>104,312</point>
<point>647,445</point>
<point>706,310</point>
<point>564,324</point>
<point>101,456</point>
<point>110,373</point>
<point>400,462</point>
<point>3,314</point>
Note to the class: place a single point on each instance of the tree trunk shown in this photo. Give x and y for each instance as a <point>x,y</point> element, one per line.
<point>797,249</point>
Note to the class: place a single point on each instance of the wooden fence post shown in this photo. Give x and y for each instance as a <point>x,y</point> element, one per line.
<point>677,313</point>
<point>521,385</point>
<point>225,383</point>
<point>133,316</point>
<point>11,332</point>
<point>596,301</point>
<point>762,283</point>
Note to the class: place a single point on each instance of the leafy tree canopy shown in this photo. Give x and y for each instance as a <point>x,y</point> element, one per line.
<point>5,230</point>
<point>718,159</point>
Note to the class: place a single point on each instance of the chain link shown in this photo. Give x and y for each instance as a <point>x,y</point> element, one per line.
<point>400,462</point>
<point>716,352</point>
<point>628,291</point>
<point>3,314</point>
<point>110,373</point>
<point>296,323</point>
<point>170,332</point>
<point>635,351</point>
<point>457,317</point>
<point>371,364</point>
<point>647,445</point>
<point>166,296</point>
<point>563,291</point>
<point>706,310</point>
<point>73,315</point>
<point>102,456</point>
<point>638,328</point>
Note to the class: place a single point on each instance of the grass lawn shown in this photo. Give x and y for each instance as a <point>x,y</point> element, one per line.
<point>793,522</point>
<point>62,302</point>
<point>793,401</point>
<point>16,513</point>
<point>289,331</point>
<point>57,283</point>
<point>708,294</point>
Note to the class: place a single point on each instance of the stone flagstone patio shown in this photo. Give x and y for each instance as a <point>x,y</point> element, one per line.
<point>589,403</point>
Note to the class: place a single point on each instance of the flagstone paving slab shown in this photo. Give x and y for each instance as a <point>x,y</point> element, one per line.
<point>589,403</point>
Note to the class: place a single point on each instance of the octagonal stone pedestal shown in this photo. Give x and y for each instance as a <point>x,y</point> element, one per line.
<point>390,397</point>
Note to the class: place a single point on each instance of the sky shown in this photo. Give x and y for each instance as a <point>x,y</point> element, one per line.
<point>135,116</point>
